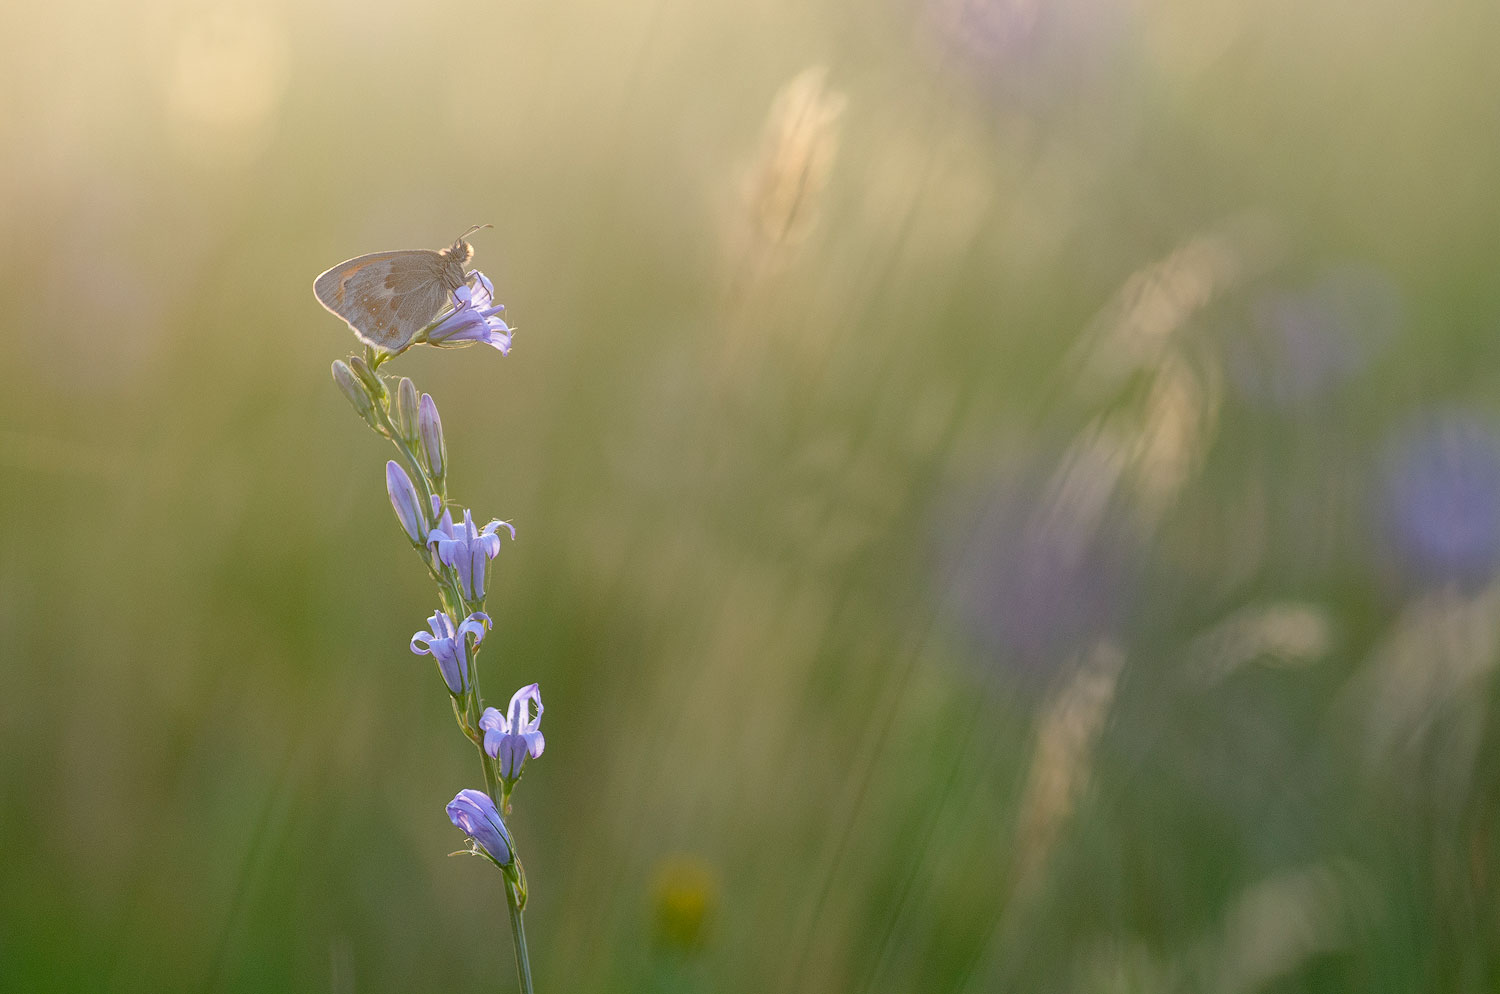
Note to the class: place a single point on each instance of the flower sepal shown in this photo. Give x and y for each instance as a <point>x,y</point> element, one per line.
<point>461,713</point>
<point>515,875</point>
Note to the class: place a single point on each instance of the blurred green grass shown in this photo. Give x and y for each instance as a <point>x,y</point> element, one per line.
<point>787,507</point>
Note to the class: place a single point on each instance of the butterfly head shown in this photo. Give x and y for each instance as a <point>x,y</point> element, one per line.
<point>456,256</point>
<point>460,249</point>
<point>460,252</point>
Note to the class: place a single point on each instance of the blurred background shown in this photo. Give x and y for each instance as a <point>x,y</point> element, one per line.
<point>1008,495</point>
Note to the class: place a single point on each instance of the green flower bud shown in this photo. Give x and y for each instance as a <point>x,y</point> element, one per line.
<point>430,427</point>
<point>372,382</point>
<point>353,389</point>
<point>406,409</point>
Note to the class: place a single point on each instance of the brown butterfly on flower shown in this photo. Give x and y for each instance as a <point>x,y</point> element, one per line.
<point>388,297</point>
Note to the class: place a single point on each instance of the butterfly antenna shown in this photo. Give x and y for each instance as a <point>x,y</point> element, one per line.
<point>477,227</point>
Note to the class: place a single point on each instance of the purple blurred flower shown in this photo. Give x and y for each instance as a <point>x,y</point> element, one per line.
<point>445,644</point>
<point>466,548</point>
<point>473,813</point>
<point>513,736</point>
<point>1441,497</point>
<point>1030,53</point>
<point>1034,578</point>
<point>404,499</point>
<point>475,318</point>
<point>1301,343</point>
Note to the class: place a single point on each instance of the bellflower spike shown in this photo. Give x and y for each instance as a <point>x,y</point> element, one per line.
<point>466,548</point>
<point>473,813</point>
<point>475,318</point>
<point>404,499</point>
<point>513,736</point>
<point>430,427</point>
<point>446,644</point>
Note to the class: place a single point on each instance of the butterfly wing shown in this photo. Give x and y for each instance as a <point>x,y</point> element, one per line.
<point>385,297</point>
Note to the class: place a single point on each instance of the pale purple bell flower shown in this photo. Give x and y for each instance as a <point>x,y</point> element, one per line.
<point>404,499</point>
<point>475,318</point>
<point>473,813</point>
<point>467,549</point>
<point>511,737</point>
<point>446,644</point>
<point>1304,342</point>
<point>1032,55</point>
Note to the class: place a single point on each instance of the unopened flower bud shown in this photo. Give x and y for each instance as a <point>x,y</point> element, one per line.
<point>406,409</point>
<point>367,376</point>
<point>430,427</point>
<point>353,389</point>
<point>404,500</point>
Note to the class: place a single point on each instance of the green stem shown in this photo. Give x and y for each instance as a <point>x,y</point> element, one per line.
<point>517,926</point>
<point>518,933</point>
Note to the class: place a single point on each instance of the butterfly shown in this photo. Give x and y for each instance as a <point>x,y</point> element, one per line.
<point>387,297</point>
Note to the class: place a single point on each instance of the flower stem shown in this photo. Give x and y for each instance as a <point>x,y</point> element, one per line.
<point>518,934</point>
